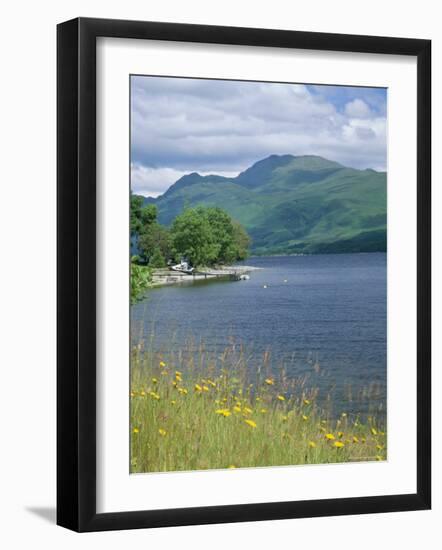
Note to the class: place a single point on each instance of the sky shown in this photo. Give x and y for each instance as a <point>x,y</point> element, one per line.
<point>183,125</point>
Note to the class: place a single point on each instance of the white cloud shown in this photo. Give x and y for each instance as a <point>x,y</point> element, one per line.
<point>152,182</point>
<point>206,126</point>
<point>357,109</point>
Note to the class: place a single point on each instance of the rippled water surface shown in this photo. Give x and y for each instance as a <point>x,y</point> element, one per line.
<point>321,316</point>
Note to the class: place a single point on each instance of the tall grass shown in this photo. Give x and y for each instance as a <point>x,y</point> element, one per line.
<point>194,410</point>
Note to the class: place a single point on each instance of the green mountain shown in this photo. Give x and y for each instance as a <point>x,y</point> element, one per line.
<point>290,204</point>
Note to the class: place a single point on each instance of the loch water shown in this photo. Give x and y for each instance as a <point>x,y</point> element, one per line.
<point>323,317</point>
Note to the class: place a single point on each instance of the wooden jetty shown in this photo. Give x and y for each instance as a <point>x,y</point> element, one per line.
<point>161,277</point>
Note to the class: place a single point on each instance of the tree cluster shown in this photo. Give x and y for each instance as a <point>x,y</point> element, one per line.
<point>208,236</point>
<point>204,235</point>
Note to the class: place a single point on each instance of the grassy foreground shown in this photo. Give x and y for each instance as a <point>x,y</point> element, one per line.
<point>183,418</point>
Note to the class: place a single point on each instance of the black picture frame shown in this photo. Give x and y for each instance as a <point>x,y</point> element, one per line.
<point>77,286</point>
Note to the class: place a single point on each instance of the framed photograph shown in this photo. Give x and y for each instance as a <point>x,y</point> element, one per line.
<point>243,274</point>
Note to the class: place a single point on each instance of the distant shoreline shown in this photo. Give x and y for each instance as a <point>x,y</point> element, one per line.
<point>285,254</point>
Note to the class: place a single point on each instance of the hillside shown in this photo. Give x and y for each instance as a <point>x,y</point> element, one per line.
<point>290,204</point>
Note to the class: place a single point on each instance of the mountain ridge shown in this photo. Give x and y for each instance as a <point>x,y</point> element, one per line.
<point>292,204</point>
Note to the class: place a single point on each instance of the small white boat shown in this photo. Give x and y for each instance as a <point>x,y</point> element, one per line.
<point>183,267</point>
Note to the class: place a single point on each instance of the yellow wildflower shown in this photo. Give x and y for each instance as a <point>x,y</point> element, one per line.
<point>132,394</point>
<point>250,423</point>
<point>247,410</point>
<point>178,378</point>
<point>237,408</point>
<point>374,431</point>
<point>281,397</point>
<point>154,380</point>
<point>142,393</point>
<point>338,444</point>
<point>284,418</point>
<point>270,381</point>
<point>162,364</point>
<point>306,402</point>
<point>379,447</point>
<point>330,437</point>
<point>154,395</point>
<point>379,457</point>
<point>340,434</point>
<point>198,387</point>
<point>355,439</point>
<point>312,444</point>
<point>231,466</point>
<point>263,411</point>
<point>162,432</point>
<point>304,417</point>
<point>223,412</point>
<point>173,402</point>
<point>178,373</point>
<point>136,430</point>
<point>205,388</point>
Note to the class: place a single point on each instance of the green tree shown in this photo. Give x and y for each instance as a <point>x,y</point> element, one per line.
<point>152,237</point>
<point>156,259</point>
<point>193,238</point>
<point>222,229</point>
<point>143,221</point>
<point>141,216</point>
<point>207,235</point>
<point>146,233</point>
<point>136,204</point>
<point>242,241</point>
<point>140,281</point>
